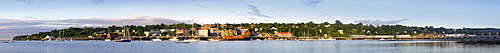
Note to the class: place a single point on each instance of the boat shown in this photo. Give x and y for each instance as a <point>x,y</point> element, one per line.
<point>182,42</point>
<point>126,37</point>
<point>5,41</point>
<point>156,39</point>
<point>258,40</point>
<point>173,39</point>
<point>329,39</point>
<point>191,40</point>
<point>123,40</point>
<point>107,39</point>
<point>382,39</point>
<point>59,38</point>
<point>213,39</point>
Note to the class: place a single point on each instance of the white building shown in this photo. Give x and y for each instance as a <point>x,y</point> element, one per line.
<point>403,36</point>
<point>203,33</point>
<point>453,35</point>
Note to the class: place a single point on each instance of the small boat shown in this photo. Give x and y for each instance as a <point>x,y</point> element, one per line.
<point>382,39</point>
<point>182,42</point>
<point>157,39</point>
<point>5,41</point>
<point>191,40</point>
<point>213,39</point>
<point>173,39</point>
<point>329,39</point>
<point>258,40</point>
<point>107,39</point>
<point>123,40</point>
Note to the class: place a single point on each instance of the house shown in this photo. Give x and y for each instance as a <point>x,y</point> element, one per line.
<point>454,35</point>
<point>403,36</point>
<point>284,34</point>
<point>203,33</point>
<point>357,36</point>
<point>113,35</point>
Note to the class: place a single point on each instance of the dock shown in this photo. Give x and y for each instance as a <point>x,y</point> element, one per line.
<point>478,39</point>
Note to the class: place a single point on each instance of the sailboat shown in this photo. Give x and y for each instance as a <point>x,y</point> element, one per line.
<point>60,37</point>
<point>126,36</point>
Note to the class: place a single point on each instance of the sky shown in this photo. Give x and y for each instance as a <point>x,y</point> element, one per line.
<point>23,17</point>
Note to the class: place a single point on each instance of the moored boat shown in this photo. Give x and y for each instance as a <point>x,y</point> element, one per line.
<point>156,39</point>
<point>107,39</point>
<point>191,40</point>
<point>213,39</point>
<point>182,42</point>
<point>173,39</point>
<point>123,40</point>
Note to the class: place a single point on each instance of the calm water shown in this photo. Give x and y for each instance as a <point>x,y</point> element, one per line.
<point>338,46</point>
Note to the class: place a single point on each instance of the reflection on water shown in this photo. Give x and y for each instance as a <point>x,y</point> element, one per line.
<point>338,46</point>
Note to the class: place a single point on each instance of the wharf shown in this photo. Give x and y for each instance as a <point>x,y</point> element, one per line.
<point>478,39</point>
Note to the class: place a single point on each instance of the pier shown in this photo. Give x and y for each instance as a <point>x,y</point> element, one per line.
<point>478,39</point>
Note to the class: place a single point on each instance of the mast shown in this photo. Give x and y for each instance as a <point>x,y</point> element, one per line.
<point>125,34</point>
<point>192,27</point>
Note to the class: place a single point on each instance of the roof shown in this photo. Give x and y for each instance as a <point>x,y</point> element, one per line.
<point>49,36</point>
<point>284,33</point>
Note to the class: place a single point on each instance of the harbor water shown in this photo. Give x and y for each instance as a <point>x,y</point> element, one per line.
<point>337,46</point>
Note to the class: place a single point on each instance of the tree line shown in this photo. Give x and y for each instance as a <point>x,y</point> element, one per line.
<point>307,29</point>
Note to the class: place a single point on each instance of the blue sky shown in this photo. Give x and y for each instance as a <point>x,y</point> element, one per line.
<point>20,17</point>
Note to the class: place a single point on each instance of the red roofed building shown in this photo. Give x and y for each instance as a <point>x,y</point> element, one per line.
<point>284,34</point>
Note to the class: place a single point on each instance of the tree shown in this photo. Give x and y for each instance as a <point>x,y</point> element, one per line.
<point>337,22</point>
<point>325,23</point>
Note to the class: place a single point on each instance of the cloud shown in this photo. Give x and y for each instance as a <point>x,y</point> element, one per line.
<point>98,1</point>
<point>311,3</point>
<point>281,15</point>
<point>325,14</point>
<point>20,2</point>
<point>28,17</point>
<point>199,5</point>
<point>252,18</point>
<point>25,27</point>
<point>379,22</point>
<point>95,2</point>
<point>255,11</point>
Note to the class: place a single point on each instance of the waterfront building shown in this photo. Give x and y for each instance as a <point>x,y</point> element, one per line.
<point>357,36</point>
<point>453,35</point>
<point>203,33</point>
<point>403,36</point>
<point>284,34</point>
<point>113,35</point>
